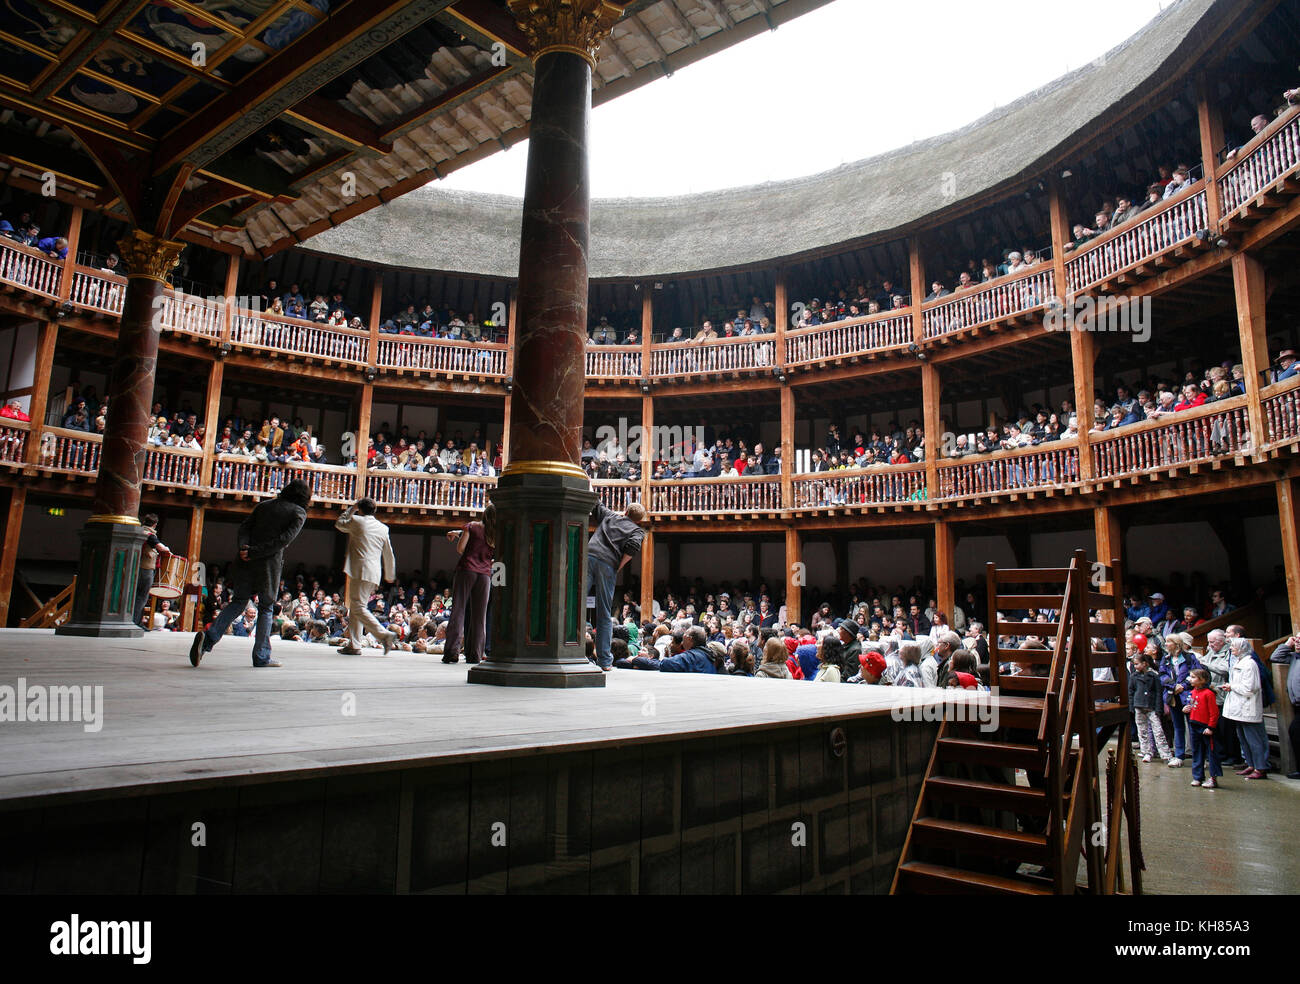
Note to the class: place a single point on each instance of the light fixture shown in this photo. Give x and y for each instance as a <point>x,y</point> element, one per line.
<point>509,383</point>
<point>1067,173</point>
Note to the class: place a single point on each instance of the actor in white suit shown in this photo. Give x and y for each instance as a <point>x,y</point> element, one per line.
<point>369,560</point>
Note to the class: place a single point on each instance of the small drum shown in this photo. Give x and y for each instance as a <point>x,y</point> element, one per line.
<point>169,579</point>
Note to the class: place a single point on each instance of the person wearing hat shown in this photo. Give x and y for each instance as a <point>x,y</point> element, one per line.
<point>848,633</point>
<point>872,669</point>
<point>1287,366</point>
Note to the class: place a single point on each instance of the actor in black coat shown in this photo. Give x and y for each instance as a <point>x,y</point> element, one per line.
<point>262,540</point>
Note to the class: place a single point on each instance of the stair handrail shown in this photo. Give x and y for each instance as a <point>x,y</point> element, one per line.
<point>53,611</point>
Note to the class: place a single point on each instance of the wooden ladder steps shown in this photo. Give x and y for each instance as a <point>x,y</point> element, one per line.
<point>987,795</point>
<point>923,878</point>
<point>998,753</point>
<point>955,835</point>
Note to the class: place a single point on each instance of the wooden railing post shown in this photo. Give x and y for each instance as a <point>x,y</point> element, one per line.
<point>782,323</point>
<point>1210,123</point>
<point>376,313</point>
<point>46,340</point>
<point>212,418</point>
<point>647,328</point>
<point>787,446</point>
<point>1248,282</point>
<point>931,394</point>
<point>230,287</point>
<point>9,551</point>
<point>68,274</point>
<point>362,441</point>
<point>794,576</point>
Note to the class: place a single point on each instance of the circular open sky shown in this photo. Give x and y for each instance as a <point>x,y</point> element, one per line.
<point>847,81</point>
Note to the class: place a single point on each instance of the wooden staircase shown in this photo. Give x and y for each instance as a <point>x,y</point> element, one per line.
<point>54,612</point>
<point>980,829</point>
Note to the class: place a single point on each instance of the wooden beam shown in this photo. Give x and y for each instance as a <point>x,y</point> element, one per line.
<point>794,576</point>
<point>486,22</point>
<point>945,570</point>
<point>647,600</point>
<point>47,339</point>
<point>1248,283</point>
<point>9,550</point>
<point>931,394</point>
<point>336,44</point>
<point>1288,508</point>
<point>330,119</point>
<point>1108,536</point>
<point>1210,124</point>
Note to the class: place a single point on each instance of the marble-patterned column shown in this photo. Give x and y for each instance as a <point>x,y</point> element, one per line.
<point>110,542</point>
<point>543,497</point>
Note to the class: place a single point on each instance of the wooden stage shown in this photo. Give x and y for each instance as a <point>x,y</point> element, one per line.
<point>657,783</point>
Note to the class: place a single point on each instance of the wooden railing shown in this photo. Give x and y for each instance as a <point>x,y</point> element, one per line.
<point>1000,299</point>
<point>1276,156</point>
<point>423,490</point>
<point>54,612</point>
<point>1203,433</point>
<point>69,451</point>
<point>30,269</point>
<point>1138,241</point>
<point>877,333</point>
<point>1051,465</point>
<point>240,475</point>
<point>888,485</point>
<point>407,352</point>
<point>190,315</point>
<point>176,467</point>
<point>616,494</point>
<point>98,290</point>
<point>753,352</point>
<point>13,441</point>
<point>301,339</point>
<point>717,495</point>
<point>1281,406</point>
<point>613,361</point>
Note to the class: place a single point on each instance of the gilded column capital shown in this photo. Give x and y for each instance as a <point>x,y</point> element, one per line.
<point>149,256</point>
<point>575,26</point>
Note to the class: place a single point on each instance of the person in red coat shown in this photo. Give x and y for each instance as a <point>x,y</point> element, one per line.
<point>1202,712</point>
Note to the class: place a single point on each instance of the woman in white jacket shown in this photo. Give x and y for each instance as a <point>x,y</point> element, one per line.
<point>1244,704</point>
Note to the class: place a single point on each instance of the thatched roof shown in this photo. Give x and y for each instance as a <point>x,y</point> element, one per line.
<point>478,234</point>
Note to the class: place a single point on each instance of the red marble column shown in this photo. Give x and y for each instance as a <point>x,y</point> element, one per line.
<point>550,333</point>
<point>148,260</point>
<point>110,542</point>
<point>543,499</point>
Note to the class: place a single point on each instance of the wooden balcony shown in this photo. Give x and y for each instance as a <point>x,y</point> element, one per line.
<point>1281,406</point>
<point>1171,233</point>
<point>1001,303</point>
<point>1265,174</point>
<point>613,363</point>
<point>718,497</point>
<point>297,340</point>
<point>411,354</point>
<point>27,269</point>
<point>723,358</point>
<point>861,490</point>
<point>1185,440</point>
<point>841,342</point>
<point>1045,469</point>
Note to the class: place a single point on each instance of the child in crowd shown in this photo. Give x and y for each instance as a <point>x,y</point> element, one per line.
<point>1144,696</point>
<point>1202,712</point>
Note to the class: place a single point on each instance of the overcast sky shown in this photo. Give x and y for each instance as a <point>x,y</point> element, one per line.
<point>835,85</point>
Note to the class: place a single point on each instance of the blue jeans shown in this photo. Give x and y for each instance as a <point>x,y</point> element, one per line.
<point>1180,730</point>
<point>600,583</point>
<point>1205,752</point>
<point>232,611</point>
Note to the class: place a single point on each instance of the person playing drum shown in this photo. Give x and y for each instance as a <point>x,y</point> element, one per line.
<point>148,564</point>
